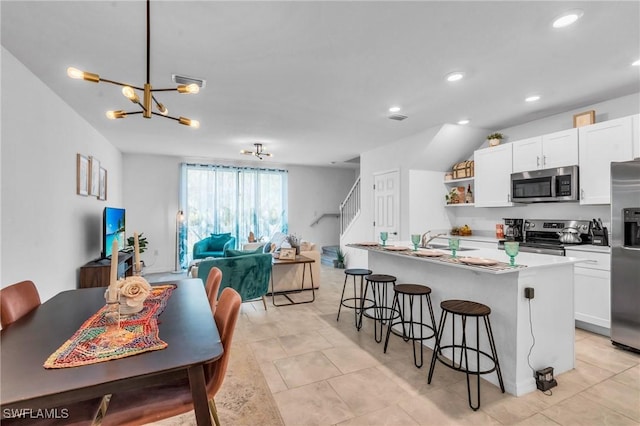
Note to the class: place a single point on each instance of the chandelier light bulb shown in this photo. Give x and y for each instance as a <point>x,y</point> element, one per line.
<point>130,94</point>
<point>189,88</point>
<point>163,110</point>
<point>112,115</point>
<point>567,18</point>
<point>75,73</point>
<point>455,76</point>
<point>189,122</point>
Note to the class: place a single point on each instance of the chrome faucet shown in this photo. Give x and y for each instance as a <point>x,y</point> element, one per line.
<point>427,238</point>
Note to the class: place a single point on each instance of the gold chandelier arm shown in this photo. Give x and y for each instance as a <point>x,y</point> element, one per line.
<point>117,83</point>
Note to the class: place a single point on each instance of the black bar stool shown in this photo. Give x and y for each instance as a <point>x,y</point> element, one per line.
<point>357,303</point>
<point>379,312</point>
<point>410,291</point>
<point>464,309</point>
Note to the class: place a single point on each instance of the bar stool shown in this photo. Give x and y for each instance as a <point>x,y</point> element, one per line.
<point>357,303</point>
<point>379,312</point>
<point>466,308</point>
<point>410,291</point>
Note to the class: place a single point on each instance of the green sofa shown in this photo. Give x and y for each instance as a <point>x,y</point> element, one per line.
<point>213,246</point>
<point>247,273</point>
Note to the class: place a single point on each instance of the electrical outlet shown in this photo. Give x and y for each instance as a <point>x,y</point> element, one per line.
<point>528,292</point>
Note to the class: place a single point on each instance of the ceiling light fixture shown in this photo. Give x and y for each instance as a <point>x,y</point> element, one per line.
<point>259,152</point>
<point>463,122</point>
<point>532,98</point>
<point>394,109</point>
<point>455,76</point>
<point>567,18</point>
<point>129,91</point>
<point>636,63</point>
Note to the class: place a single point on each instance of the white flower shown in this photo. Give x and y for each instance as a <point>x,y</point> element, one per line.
<point>134,289</point>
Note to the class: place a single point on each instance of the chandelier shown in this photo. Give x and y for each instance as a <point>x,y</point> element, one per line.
<point>259,152</point>
<point>129,91</point>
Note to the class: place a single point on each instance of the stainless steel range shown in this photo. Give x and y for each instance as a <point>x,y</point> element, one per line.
<point>552,236</point>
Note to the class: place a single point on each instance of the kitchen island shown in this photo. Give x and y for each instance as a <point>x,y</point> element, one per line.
<point>502,289</point>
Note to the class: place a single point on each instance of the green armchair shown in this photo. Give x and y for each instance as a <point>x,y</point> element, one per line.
<point>213,246</point>
<point>248,274</point>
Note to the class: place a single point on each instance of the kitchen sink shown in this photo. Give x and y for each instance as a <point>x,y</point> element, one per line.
<point>446,247</point>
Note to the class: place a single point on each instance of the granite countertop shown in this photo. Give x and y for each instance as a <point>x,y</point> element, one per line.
<point>527,261</point>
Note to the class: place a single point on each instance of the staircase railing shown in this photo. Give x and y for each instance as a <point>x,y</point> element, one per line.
<point>350,207</point>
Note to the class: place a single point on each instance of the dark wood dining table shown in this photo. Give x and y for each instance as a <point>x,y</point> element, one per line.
<point>186,325</point>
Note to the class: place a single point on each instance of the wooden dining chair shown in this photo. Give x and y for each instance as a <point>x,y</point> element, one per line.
<point>213,286</point>
<point>17,300</point>
<point>155,403</point>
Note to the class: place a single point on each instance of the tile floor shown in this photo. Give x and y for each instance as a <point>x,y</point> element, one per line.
<point>323,372</point>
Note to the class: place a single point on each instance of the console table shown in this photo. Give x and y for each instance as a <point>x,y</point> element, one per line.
<point>299,259</point>
<point>97,273</point>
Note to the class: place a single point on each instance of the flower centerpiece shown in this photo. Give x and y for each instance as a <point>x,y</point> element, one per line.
<point>294,241</point>
<point>133,292</point>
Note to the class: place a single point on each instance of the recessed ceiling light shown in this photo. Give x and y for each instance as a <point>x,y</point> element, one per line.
<point>636,63</point>
<point>455,76</point>
<point>567,18</point>
<point>532,98</point>
<point>463,122</point>
<point>394,109</point>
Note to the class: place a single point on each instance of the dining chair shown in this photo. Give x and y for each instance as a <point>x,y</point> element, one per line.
<point>159,402</point>
<point>17,300</point>
<point>213,286</point>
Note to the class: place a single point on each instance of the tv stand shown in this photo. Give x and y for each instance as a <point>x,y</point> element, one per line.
<point>98,272</point>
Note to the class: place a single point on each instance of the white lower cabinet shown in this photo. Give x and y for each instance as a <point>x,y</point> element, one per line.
<point>592,290</point>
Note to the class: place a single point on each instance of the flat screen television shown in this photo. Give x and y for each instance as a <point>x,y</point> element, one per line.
<point>113,228</point>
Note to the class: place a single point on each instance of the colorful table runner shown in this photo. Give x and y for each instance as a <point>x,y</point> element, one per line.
<point>139,334</point>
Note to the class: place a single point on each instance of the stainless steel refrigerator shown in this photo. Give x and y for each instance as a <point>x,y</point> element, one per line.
<point>625,254</point>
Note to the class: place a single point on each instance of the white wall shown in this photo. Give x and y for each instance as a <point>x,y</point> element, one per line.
<point>48,231</point>
<point>151,200</point>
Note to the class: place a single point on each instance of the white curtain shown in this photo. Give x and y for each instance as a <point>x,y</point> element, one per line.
<point>238,200</point>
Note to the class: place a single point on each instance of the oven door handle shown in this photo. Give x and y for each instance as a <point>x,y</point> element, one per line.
<point>629,248</point>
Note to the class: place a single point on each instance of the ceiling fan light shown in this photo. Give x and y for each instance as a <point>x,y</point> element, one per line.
<point>78,74</point>
<point>189,122</point>
<point>188,88</point>
<point>112,115</point>
<point>130,94</point>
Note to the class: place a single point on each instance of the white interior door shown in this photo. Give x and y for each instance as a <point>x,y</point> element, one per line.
<point>386,193</point>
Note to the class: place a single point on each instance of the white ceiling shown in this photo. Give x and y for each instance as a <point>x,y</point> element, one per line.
<point>313,80</point>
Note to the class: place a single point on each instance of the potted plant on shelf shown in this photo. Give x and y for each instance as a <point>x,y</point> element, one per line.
<point>495,138</point>
<point>340,258</point>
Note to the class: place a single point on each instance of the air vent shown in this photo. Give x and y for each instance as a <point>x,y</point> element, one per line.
<point>181,79</point>
<point>398,117</point>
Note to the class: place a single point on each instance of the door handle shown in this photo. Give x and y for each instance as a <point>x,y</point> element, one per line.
<point>394,233</point>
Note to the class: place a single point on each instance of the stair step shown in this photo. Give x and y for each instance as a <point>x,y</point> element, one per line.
<point>330,250</point>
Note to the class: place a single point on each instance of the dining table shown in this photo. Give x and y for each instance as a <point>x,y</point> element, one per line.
<point>186,325</point>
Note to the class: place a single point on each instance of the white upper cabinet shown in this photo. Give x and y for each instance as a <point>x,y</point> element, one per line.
<point>545,152</point>
<point>636,135</point>
<point>493,168</point>
<point>599,145</point>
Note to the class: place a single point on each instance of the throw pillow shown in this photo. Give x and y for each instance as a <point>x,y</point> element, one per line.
<point>217,241</point>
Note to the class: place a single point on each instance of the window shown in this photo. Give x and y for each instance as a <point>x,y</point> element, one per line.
<point>238,200</point>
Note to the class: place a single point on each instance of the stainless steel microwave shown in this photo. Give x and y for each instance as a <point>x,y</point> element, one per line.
<point>543,186</point>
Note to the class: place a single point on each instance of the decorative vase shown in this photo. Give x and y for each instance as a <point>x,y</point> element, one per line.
<point>494,142</point>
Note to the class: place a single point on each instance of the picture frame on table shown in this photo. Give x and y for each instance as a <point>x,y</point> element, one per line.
<point>287,253</point>
<point>82,175</point>
<point>102,193</point>
<point>584,118</point>
<point>94,176</point>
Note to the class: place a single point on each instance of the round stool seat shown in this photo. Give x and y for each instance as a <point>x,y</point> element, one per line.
<point>415,289</point>
<point>381,278</point>
<point>358,271</point>
<point>465,307</point>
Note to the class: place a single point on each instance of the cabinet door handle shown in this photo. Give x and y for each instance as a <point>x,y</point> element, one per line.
<point>544,160</point>
<point>595,262</point>
<point>538,161</point>
<point>582,193</point>
<point>509,198</point>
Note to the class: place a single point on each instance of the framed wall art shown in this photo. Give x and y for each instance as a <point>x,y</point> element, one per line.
<point>94,176</point>
<point>584,118</point>
<point>102,192</point>
<point>82,175</point>
<point>287,253</point>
